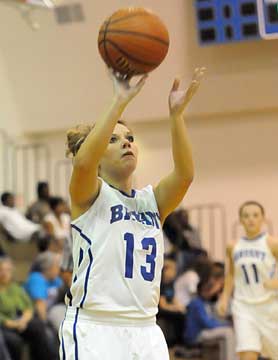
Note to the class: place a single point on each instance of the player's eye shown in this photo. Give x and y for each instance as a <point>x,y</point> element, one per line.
<point>130,138</point>
<point>113,139</point>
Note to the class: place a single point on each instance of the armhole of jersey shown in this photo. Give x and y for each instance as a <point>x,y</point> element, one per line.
<point>150,189</point>
<point>96,203</point>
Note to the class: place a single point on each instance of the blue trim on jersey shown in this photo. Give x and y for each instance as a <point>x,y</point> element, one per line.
<point>74,335</point>
<point>87,278</point>
<point>133,192</point>
<point>81,234</point>
<point>255,238</point>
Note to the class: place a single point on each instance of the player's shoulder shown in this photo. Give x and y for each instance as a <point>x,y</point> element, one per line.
<point>231,246</point>
<point>272,242</point>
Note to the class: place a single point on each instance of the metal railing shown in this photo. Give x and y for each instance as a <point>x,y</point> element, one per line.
<point>22,166</point>
<point>211,222</point>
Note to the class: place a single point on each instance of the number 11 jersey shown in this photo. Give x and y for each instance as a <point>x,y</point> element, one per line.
<point>254,263</point>
<point>118,257</point>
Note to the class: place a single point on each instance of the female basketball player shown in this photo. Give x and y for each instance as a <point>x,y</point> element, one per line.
<point>117,236</point>
<point>251,263</point>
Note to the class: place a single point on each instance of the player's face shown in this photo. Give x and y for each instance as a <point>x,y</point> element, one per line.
<point>6,272</point>
<point>121,154</point>
<point>252,219</point>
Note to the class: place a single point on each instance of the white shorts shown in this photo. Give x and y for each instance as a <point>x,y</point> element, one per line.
<point>256,327</point>
<point>83,339</point>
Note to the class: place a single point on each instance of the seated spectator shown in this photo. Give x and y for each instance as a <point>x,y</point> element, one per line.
<point>173,234</point>
<point>40,208</point>
<point>57,223</point>
<point>17,320</point>
<point>171,312</point>
<point>13,222</point>
<point>66,267</point>
<point>202,325</point>
<point>190,237</point>
<point>43,286</point>
<point>190,233</point>
<point>4,352</point>
<point>186,284</point>
<point>179,235</point>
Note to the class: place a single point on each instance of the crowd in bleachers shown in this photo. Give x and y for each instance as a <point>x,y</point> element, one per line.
<point>191,285</point>
<point>32,309</point>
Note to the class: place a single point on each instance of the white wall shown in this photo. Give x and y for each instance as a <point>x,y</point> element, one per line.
<point>9,115</point>
<point>58,78</point>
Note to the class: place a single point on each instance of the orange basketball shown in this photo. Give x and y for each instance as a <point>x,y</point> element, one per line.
<point>133,41</point>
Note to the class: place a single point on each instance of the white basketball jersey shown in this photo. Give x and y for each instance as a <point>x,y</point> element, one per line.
<point>253,264</point>
<point>118,256</point>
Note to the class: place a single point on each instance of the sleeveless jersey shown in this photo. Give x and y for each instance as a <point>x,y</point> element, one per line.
<point>118,256</point>
<point>253,264</point>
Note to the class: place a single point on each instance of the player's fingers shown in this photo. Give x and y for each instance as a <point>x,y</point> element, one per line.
<point>141,81</point>
<point>176,84</point>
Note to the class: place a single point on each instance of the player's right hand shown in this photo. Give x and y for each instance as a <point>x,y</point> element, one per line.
<point>123,89</point>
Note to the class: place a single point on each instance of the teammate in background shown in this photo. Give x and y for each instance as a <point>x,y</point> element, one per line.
<point>117,233</point>
<point>251,264</point>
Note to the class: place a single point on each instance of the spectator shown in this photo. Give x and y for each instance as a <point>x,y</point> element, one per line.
<point>171,312</point>
<point>4,352</point>
<point>14,223</point>
<point>173,233</point>
<point>43,286</point>
<point>187,283</point>
<point>57,223</point>
<point>190,233</point>
<point>201,325</point>
<point>191,237</point>
<point>17,320</point>
<point>40,208</point>
<point>66,267</point>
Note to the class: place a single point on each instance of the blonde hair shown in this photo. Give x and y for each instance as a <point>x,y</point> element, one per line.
<point>77,135</point>
<point>75,138</point>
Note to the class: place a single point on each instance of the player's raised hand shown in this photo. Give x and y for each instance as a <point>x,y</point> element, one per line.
<point>123,89</point>
<point>179,99</point>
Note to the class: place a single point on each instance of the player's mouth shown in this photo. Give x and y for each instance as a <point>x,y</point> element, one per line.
<point>128,153</point>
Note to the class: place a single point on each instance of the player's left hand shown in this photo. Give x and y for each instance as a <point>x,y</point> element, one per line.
<point>179,99</point>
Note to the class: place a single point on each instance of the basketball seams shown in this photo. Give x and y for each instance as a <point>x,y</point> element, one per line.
<point>135,33</point>
<point>104,45</point>
<point>123,52</point>
<point>123,18</point>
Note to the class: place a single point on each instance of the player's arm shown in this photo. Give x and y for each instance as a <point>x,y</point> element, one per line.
<point>223,302</point>
<point>171,189</point>
<point>84,184</point>
<point>272,283</point>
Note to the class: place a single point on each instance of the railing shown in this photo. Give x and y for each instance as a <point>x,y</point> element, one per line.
<point>211,221</point>
<point>62,173</point>
<point>22,166</point>
<point>31,163</point>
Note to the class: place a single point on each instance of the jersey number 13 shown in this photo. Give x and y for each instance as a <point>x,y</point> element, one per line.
<point>148,243</point>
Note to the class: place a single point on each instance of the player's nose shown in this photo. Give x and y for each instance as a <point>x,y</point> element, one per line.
<point>126,144</point>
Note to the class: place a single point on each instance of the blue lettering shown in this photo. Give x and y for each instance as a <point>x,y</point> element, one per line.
<point>116,213</point>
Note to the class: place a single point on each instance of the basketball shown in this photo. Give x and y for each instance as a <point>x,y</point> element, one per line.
<point>133,41</point>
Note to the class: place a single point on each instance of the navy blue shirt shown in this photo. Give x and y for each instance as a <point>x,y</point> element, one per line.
<point>198,318</point>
